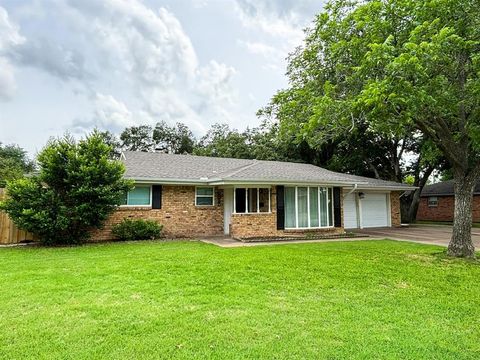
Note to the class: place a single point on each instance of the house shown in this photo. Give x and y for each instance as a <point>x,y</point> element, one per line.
<point>437,202</point>
<point>206,196</point>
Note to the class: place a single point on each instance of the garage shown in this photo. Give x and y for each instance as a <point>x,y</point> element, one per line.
<point>373,210</point>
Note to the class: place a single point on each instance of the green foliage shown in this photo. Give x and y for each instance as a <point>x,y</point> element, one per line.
<point>113,142</point>
<point>14,163</point>
<point>77,187</point>
<point>177,139</point>
<point>337,95</point>
<point>137,138</point>
<point>137,229</point>
<point>261,143</point>
<point>409,179</point>
<point>221,141</point>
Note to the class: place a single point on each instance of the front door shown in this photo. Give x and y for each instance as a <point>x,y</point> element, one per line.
<point>227,209</point>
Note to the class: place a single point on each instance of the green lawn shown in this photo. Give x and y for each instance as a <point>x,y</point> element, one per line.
<point>360,300</point>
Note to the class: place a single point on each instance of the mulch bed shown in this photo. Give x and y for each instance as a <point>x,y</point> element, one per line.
<point>309,237</point>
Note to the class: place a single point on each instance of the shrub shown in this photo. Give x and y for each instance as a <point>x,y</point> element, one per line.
<point>76,189</point>
<point>138,229</point>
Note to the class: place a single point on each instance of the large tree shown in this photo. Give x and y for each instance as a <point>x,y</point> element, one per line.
<point>137,138</point>
<point>222,141</point>
<point>176,139</point>
<point>14,163</point>
<point>402,69</point>
<point>77,187</point>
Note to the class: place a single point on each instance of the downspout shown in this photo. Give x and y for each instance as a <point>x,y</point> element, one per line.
<point>355,186</point>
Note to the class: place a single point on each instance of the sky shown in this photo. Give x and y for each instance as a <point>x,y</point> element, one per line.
<point>75,65</point>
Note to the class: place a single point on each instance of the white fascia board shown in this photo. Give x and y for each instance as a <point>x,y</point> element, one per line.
<point>383,188</point>
<point>168,181</point>
<point>220,182</point>
<point>281,182</point>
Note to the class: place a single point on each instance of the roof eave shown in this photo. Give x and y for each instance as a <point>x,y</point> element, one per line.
<point>218,182</point>
<point>147,180</point>
<point>387,187</point>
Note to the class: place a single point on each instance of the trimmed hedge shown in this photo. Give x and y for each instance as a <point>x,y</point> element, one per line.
<point>137,229</point>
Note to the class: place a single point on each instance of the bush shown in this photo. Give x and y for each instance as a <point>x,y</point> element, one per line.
<point>138,229</point>
<point>76,189</point>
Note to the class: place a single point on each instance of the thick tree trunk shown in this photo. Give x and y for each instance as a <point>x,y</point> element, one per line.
<point>412,211</point>
<point>409,203</point>
<point>461,243</point>
<point>409,206</point>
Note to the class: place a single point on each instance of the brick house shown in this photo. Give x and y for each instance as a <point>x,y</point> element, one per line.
<point>206,196</point>
<point>437,202</point>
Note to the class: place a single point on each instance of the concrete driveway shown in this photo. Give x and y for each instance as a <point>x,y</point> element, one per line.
<point>429,234</point>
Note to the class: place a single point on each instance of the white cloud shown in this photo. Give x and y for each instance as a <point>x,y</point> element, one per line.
<point>53,58</point>
<point>7,80</point>
<point>10,38</point>
<point>280,21</point>
<point>283,19</point>
<point>142,57</point>
<point>111,113</point>
<point>259,48</point>
<point>9,32</point>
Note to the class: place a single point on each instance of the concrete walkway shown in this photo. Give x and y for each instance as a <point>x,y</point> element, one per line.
<point>423,234</point>
<point>227,242</point>
<point>426,234</point>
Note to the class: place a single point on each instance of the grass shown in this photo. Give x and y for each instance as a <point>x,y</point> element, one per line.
<point>355,300</point>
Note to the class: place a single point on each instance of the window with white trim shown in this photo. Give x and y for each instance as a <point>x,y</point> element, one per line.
<point>138,196</point>
<point>204,196</point>
<point>250,200</point>
<point>308,207</point>
<point>432,201</point>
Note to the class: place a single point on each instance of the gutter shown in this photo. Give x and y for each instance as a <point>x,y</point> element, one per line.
<point>215,181</point>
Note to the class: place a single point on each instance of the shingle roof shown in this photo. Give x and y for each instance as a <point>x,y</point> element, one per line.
<point>444,188</point>
<point>184,168</point>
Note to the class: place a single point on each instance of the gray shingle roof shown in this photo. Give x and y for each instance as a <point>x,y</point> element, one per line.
<point>189,168</point>
<point>444,188</point>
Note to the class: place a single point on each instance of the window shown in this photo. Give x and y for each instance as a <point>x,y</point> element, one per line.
<point>252,200</point>
<point>308,207</point>
<point>138,196</point>
<point>432,201</point>
<point>204,196</point>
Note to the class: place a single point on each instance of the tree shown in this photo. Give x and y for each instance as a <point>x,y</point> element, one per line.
<point>77,187</point>
<point>138,138</point>
<point>221,141</point>
<point>113,142</point>
<point>400,68</point>
<point>14,163</point>
<point>177,139</point>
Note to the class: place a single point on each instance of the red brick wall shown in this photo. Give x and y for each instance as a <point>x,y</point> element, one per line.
<point>396,219</point>
<point>265,224</point>
<point>178,215</point>
<point>181,218</point>
<point>444,210</point>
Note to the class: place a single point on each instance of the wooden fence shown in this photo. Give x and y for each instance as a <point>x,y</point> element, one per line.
<point>9,233</point>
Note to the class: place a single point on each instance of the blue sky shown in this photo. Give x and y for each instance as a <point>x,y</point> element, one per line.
<point>72,65</point>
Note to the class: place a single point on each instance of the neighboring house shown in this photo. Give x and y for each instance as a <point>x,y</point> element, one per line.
<point>437,202</point>
<point>206,196</point>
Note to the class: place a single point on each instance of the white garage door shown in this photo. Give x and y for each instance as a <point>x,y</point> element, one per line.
<point>350,212</point>
<point>374,210</point>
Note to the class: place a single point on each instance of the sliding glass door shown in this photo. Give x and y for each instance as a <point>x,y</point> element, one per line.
<point>290,211</point>
<point>308,207</point>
